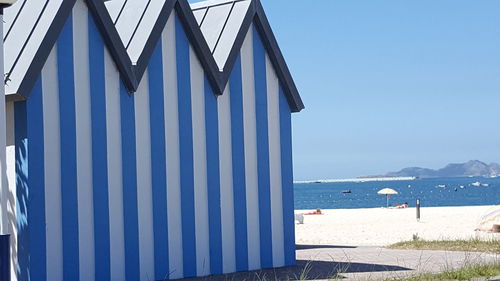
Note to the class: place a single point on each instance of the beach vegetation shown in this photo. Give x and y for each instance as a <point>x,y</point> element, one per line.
<point>415,237</point>
<point>470,245</point>
<point>469,272</point>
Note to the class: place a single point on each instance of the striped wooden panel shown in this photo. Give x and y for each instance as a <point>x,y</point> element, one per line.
<point>169,182</point>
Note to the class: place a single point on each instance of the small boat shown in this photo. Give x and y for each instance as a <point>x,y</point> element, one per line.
<point>442,186</point>
<point>346,191</point>
<point>462,187</point>
<point>476,183</point>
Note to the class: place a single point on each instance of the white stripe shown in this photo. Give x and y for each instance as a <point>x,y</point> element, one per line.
<point>11,177</point>
<point>4,186</point>
<point>113,134</point>
<point>199,165</point>
<point>8,197</point>
<point>172,139</point>
<point>144,187</point>
<point>83,142</point>
<point>226,183</point>
<point>250,140</point>
<point>52,162</point>
<point>273,115</point>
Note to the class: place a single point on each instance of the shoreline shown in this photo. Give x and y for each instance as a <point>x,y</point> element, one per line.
<point>382,226</point>
<point>357,180</point>
<point>376,208</point>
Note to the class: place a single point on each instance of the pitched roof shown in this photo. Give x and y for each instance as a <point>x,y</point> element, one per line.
<point>227,49</point>
<point>27,26</point>
<point>134,21</point>
<point>131,30</point>
<point>220,22</point>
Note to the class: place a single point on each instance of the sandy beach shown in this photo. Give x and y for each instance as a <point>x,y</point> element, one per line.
<point>381,227</point>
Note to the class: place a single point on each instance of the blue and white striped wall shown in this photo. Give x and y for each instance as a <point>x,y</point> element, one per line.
<point>172,181</point>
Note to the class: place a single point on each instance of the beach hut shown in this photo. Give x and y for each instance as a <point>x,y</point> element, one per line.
<point>146,140</point>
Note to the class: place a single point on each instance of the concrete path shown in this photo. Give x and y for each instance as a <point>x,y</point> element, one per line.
<point>359,263</point>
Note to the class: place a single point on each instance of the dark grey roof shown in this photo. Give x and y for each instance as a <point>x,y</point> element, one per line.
<point>25,25</point>
<point>220,21</point>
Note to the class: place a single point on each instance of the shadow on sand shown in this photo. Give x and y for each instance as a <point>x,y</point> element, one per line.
<point>304,270</point>
<point>309,247</point>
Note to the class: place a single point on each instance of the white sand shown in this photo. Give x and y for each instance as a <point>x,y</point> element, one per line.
<point>381,227</point>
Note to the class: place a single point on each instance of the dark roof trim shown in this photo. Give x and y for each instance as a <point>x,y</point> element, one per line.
<point>154,38</point>
<point>238,42</point>
<point>284,75</point>
<point>45,48</point>
<point>2,6</point>
<point>256,15</point>
<point>113,42</point>
<point>200,45</point>
<point>132,74</point>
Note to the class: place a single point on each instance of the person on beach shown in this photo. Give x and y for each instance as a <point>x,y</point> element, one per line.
<point>317,212</point>
<point>400,206</point>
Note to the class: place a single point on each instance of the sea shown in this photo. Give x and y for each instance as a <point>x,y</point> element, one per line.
<point>457,192</point>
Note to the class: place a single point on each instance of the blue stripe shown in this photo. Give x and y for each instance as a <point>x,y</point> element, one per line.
<point>238,159</point>
<point>287,179</point>
<point>158,164</point>
<point>186,151</point>
<point>22,184</point>
<point>213,179</point>
<point>36,186</point>
<point>99,154</point>
<point>266,249</point>
<point>129,173</point>
<point>69,196</point>
<point>30,192</point>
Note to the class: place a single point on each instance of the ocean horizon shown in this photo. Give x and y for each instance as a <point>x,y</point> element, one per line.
<point>432,192</point>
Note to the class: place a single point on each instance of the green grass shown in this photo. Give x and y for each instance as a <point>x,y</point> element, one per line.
<point>466,273</point>
<point>472,245</point>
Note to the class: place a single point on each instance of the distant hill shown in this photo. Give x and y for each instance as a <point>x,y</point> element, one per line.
<point>472,168</point>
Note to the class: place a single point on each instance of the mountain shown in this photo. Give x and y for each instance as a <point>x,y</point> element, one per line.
<point>472,168</point>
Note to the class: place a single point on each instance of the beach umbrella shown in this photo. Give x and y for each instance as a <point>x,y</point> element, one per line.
<point>387,192</point>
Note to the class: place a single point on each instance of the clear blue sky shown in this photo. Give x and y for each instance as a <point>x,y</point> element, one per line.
<point>391,83</point>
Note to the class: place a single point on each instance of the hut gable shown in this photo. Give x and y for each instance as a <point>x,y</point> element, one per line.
<point>132,29</point>
<point>225,24</point>
<point>31,29</point>
<point>220,22</point>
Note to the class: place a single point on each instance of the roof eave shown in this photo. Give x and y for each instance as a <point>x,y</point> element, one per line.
<point>152,42</point>
<point>14,97</point>
<point>200,46</point>
<point>277,58</point>
<point>113,42</point>
<point>256,15</point>
<point>44,50</point>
